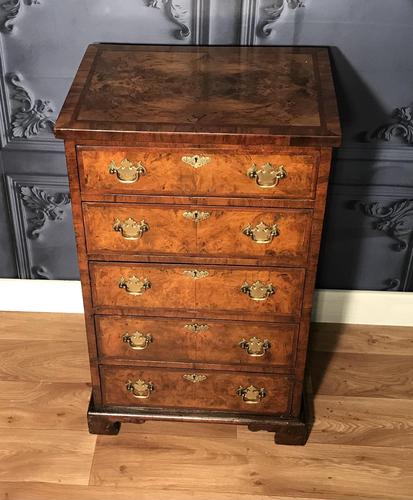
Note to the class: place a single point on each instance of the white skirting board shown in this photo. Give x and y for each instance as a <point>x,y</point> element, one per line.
<point>330,306</point>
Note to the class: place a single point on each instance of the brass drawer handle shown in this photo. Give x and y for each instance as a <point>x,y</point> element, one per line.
<point>127,172</point>
<point>194,378</point>
<point>267,176</point>
<point>137,341</point>
<point>261,233</point>
<point>251,395</point>
<point>140,389</point>
<point>255,347</point>
<point>258,291</point>
<point>196,327</point>
<point>134,285</point>
<point>196,161</point>
<point>195,274</point>
<point>196,216</point>
<point>130,229</point>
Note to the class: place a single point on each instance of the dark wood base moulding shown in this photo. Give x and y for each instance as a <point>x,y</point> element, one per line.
<point>107,420</point>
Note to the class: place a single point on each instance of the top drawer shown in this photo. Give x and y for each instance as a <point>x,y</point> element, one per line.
<point>287,174</point>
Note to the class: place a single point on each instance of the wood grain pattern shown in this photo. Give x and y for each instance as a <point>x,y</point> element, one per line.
<point>42,360</point>
<point>217,392</point>
<point>219,291</point>
<point>43,405</point>
<point>351,374</point>
<point>374,339</point>
<point>224,175</point>
<point>120,91</point>
<point>169,232</point>
<point>221,234</point>
<point>366,421</point>
<point>42,326</point>
<point>311,272</point>
<point>54,456</point>
<point>42,491</point>
<point>70,149</point>
<point>173,341</point>
<point>325,471</point>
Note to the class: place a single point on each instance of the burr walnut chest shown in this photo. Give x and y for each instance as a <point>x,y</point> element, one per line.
<point>198,178</point>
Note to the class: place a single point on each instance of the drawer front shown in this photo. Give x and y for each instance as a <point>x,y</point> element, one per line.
<point>208,173</point>
<point>202,341</point>
<point>280,235</point>
<point>208,390</point>
<point>136,229</point>
<point>210,290</point>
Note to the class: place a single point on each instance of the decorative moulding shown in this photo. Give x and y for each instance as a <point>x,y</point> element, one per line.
<point>258,17</point>
<point>402,126</point>
<point>390,208</point>
<point>176,13</point>
<point>396,220</point>
<point>43,206</point>
<point>273,13</point>
<point>31,115</point>
<point>35,201</point>
<point>11,9</point>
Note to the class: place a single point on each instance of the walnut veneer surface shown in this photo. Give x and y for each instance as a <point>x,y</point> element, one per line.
<point>198,178</point>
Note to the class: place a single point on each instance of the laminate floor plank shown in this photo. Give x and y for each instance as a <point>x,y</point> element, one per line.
<point>44,361</point>
<point>49,491</point>
<point>42,326</point>
<point>41,405</point>
<point>53,456</point>
<point>358,421</point>
<point>363,421</point>
<point>351,374</point>
<point>255,467</point>
<point>370,339</point>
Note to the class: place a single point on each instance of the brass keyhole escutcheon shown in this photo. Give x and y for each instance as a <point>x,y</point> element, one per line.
<point>195,274</point>
<point>196,216</point>
<point>194,378</point>
<point>196,327</point>
<point>196,161</point>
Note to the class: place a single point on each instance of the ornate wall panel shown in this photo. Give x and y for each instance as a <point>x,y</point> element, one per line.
<point>42,223</point>
<point>42,42</point>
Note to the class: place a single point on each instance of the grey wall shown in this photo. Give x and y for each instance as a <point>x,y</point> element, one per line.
<point>367,241</point>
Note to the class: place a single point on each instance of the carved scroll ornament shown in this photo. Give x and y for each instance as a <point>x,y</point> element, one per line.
<point>402,126</point>
<point>396,220</point>
<point>273,13</point>
<point>175,13</point>
<point>11,10</point>
<point>43,206</point>
<point>32,115</point>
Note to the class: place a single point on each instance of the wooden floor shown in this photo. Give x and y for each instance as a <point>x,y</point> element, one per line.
<point>361,446</point>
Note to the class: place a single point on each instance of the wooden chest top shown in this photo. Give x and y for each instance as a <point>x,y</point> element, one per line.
<point>251,95</point>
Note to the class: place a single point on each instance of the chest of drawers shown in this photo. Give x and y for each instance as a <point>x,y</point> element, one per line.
<point>198,179</point>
